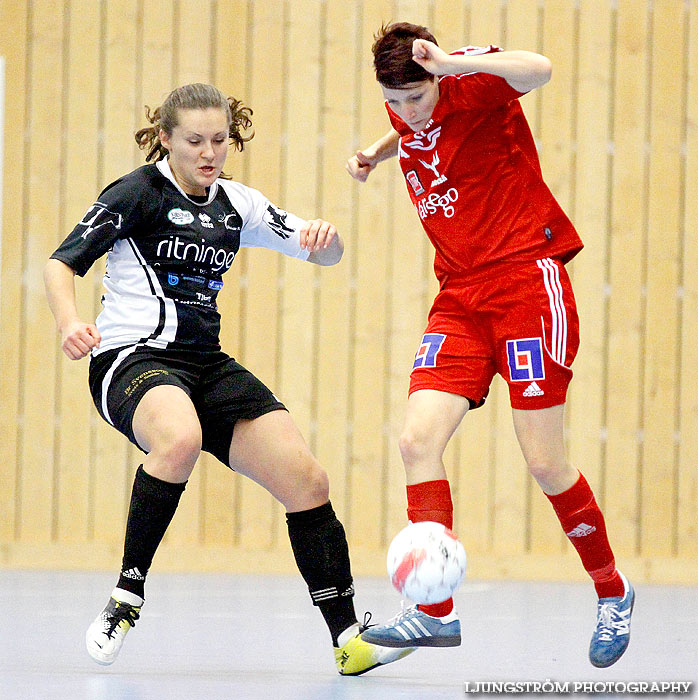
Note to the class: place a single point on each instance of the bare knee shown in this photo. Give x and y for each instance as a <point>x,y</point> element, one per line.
<point>173,458</point>
<point>416,446</point>
<point>315,484</point>
<point>553,476</point>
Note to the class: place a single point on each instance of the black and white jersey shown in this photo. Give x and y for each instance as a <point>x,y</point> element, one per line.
<point>166,254</point>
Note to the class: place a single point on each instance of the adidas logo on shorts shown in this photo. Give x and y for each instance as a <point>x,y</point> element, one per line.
<point>533,390</point>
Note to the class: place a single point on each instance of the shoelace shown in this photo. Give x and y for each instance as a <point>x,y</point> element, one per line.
<point>365,625</point>
<point>405,611</point>
<point>124,612</point>
<point>609,621</point>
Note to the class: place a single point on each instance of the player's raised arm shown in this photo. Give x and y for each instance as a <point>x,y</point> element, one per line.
<point>360,165</point>
<point>523,70</point>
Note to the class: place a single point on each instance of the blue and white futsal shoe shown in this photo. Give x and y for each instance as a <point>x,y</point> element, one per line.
<point>612,634</point>
<point>414,628</point>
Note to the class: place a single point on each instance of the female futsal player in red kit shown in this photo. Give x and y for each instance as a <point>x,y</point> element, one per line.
<point>505,304</point>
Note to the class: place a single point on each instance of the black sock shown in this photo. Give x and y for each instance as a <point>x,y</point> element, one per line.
<point>153,504</point>
<point>320,547</point>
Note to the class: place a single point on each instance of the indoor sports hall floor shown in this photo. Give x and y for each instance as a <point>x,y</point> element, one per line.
<point>214,637</point>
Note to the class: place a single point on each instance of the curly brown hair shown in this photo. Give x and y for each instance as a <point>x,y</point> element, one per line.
<point>194,96</point>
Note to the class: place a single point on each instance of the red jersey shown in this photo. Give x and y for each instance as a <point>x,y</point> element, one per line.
<point>474,176</point>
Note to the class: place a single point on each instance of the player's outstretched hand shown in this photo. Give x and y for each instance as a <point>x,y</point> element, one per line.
<point>317,234</point>
<point>78,338</point>
<point>430,56</point>
<point>359,166</point>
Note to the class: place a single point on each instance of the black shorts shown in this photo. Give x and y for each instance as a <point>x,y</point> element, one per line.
<point>221,390</point>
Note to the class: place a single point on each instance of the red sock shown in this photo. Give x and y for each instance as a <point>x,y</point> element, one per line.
<point>431,500</point>
<point>584,525</point>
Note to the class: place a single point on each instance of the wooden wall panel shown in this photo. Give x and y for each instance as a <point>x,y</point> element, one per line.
<point>405,320</point>
<point>660,400</point>
<point>112,468</point>
<point>616,131</point>
<point>687,476</point>
<point>80,186</point>
<point>586,406</point>
<point>16,44</point>
<point>46,29</point>
<point>626,279</point>
<point>332,349</point>
<point>260,298</point>
<point>229,71</point>
<point>371,259</point>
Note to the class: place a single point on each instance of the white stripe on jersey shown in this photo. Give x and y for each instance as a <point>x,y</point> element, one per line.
<point>136,308</point>
<point>551,279</point>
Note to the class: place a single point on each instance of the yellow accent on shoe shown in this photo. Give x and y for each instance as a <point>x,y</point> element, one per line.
<point>357,657</point>
<point>105,635</point>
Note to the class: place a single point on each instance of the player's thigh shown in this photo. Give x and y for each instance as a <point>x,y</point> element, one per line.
<point>119,381</point>
<point>536,333</point>
<point>540,434</point>
<point>165,420</point>
<point>431,419</point>
<point>271,451</point>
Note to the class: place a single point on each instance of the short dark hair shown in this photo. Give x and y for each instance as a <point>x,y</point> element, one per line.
<point>392,54</point>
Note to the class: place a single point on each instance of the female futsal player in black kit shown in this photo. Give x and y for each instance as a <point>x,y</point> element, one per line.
<point>157,372</point>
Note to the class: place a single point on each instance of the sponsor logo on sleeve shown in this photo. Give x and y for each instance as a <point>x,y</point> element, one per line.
<point>98,216</point>
<point>275,219</point>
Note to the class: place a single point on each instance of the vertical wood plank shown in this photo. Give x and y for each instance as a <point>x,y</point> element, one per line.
<point>449,27</point>
<point>405,322</point>
<point>301,282</point>
<point>257,511</point>
<point>79,189</point>
<point>687,526</point>
<point>192,37</point>
<point>557,156</point>
<point>113,468</point>
<point>658,485</point>
<point>586,406</point>
<point>15,44</point>
<point>369,341</point>
<point>37,396</point>
<point>333,354</point>
<point>231,75</point>
<point>626,263</point>
<point>193,41</point>
<point>523,30</point>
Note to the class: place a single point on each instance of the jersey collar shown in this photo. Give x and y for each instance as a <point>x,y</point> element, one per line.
<point>164,167</point>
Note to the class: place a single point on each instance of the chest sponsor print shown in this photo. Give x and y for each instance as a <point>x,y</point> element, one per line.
<point>438,203</point>
<point>180,217</point>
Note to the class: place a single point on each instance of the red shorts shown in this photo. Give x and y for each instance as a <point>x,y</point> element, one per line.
<point>520,322</point>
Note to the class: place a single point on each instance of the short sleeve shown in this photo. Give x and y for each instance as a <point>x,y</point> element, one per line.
<point>478,90</point>
<point>264,224</point>
<point>117,213</point>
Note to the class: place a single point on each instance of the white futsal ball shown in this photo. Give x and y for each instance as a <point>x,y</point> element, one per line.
<point>426,562</point>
